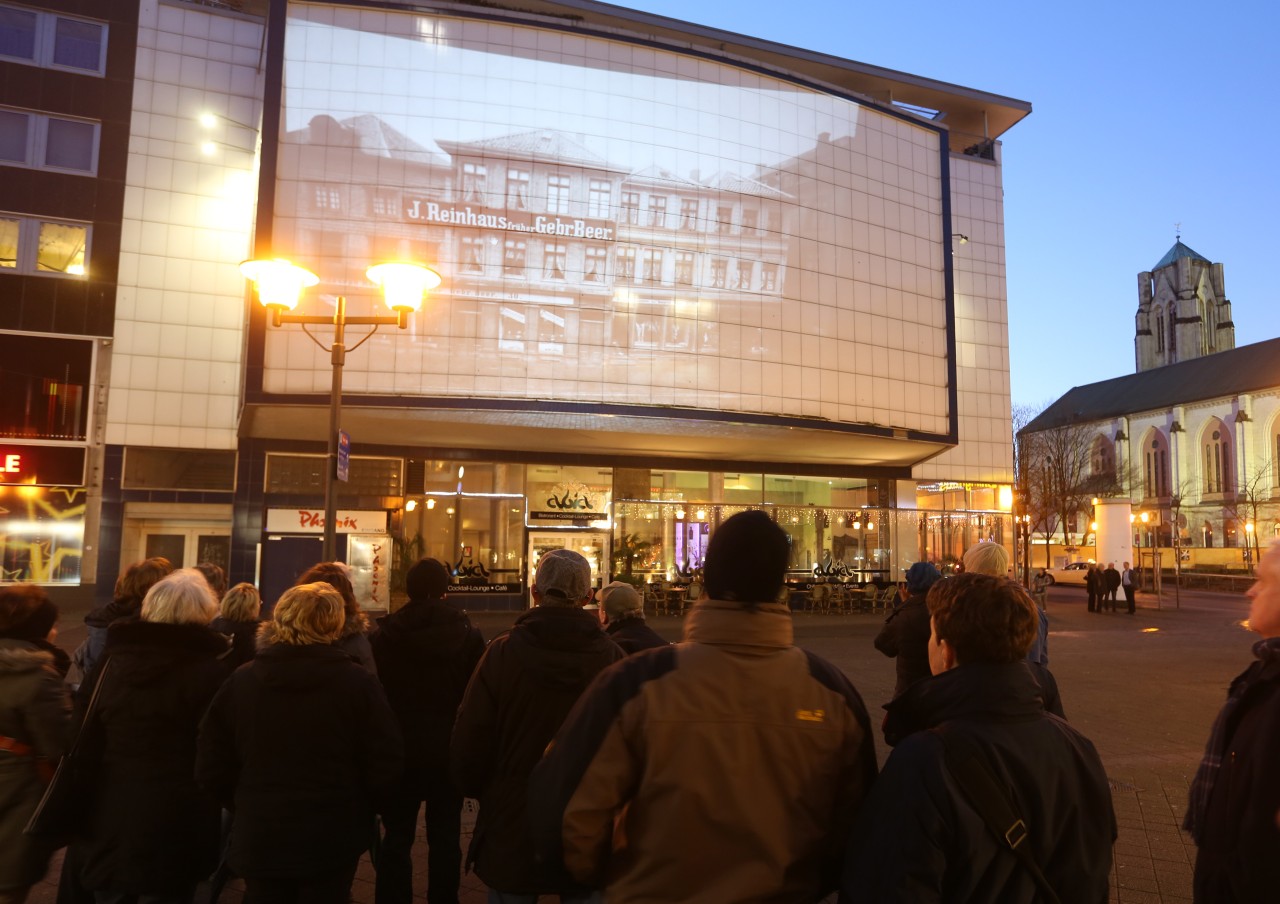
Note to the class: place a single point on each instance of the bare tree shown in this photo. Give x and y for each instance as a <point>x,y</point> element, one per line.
<point>1252,498</point>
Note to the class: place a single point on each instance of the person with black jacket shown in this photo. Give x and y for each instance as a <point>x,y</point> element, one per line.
<point>920,836</point>
<point>238,618</point>
<point>622,613</point>
<point>905,635</point>
<point>126,601</point>
<point>524,686</point>
<point>425,652</point>
<point>150,830</point>
<point>301,745</point>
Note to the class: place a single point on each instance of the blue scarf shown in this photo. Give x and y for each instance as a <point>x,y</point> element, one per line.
<point>1267,651</point>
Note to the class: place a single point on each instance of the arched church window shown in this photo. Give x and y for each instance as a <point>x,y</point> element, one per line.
<point>1173,334</point>
<point>1275,453</point>
<point>1102,458</point>
<point>1155,457</point>
<point>1217,459</point>
<point>1159,329</point>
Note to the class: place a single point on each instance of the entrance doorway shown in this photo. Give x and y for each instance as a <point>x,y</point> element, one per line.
<point>593,544</point>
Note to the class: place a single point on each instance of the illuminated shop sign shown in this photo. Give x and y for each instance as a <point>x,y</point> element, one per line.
<point>311,521</point>
<point>570,502</point>
<point>48,466</point>
<point>484,218</point>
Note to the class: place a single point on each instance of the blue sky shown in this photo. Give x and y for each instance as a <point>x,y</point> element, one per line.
<point>1144,115</point>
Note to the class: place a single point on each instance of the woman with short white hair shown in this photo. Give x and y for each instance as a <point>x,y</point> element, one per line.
<point>150,830</point>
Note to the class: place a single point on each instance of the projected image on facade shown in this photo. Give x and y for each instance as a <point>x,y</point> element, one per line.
<point>614,223</point>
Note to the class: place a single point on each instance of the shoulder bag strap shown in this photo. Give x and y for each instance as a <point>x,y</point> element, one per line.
<point>993,804</point>
<point>91,710</point>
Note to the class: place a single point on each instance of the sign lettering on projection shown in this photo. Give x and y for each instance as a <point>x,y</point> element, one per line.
<point>424,211</point>
<point>58,466</point>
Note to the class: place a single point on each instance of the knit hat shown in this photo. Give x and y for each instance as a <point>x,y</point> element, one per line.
<point>428,579</point>
<point>619,598</point>
<point>921,576</point>
<point>746,559</point>
<point>26,613</point>
<point>563,577</point>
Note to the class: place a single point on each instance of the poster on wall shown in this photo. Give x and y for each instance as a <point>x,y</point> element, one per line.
<point>369,558</point>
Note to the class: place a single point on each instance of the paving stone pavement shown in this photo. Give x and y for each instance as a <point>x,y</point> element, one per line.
<point>1144,688</point>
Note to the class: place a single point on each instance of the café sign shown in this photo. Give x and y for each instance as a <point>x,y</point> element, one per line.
<point>311,521</point>
<point>46,466</point>
<point>570,502</point>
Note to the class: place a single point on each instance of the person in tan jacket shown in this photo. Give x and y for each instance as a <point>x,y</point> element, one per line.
<point>728,767</point>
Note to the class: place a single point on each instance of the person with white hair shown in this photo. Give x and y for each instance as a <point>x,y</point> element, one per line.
<point>150,831</point>
<point>986,557</point>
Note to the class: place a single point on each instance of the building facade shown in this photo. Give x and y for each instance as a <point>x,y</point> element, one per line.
<point>686,272</point>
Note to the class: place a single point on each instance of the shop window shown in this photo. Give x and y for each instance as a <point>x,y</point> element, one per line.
<point>46,387</point>
<point>551,331</point>
<point>42,534</point>
<point>511,330</point>
<point>52,41</point>
<point>179,469</point>
<point>450,476</point>
<point>480,538</point>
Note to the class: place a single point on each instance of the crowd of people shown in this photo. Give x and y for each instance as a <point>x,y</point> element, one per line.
<point>212,741</point>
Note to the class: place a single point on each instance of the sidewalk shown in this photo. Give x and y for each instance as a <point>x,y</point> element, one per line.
<point>1144,688</point>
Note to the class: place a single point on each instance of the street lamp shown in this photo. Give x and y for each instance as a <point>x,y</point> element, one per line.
<point>279,283</point>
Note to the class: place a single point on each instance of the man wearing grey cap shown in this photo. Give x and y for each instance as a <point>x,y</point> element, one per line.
<point>622,613</point>
<point>526,683</point>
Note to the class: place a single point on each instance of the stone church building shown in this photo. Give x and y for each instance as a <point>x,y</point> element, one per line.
<point>1193,436</point>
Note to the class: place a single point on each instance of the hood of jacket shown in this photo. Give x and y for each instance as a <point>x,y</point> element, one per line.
<point>764,629</point>
<point>146,652</point>
<point>425,624</point>
<point>113,611</point>
<point>18,657</point>
<point>982,692</point>
<point>558,646</point>
<point>296,667</point>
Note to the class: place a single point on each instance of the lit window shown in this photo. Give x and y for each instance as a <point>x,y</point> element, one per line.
<point>558,194</point>
<point>45,247</point>
<point>328,198</point>
<point>52,41</point>
<point>43,141</point>
<point>385,204</point>
<point>600,194</point>
<point>597,258</point>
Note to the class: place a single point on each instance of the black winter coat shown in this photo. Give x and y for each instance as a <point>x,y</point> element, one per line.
<point>633,635</point>
<point>905,635</point>
<point>302,746</point>
<point>151,829</point>
<point>426,652</point>
<point>524,686</point>
<point>1239,855</point>
<point>243,634</point>
<point>918,839</point>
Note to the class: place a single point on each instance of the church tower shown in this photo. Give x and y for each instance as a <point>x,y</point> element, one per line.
<point>1183,311</point>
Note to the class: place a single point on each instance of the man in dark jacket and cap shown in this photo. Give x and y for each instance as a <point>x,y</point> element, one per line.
<point>622,613</point>
<point>526,683</point>
<point>905,634</point>
<point>921,835</point>
<point>425,652</point>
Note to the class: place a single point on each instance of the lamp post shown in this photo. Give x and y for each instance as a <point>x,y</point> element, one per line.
<point>279,283</point>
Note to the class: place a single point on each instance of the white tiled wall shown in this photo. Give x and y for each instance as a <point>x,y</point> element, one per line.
<point>179,333</point>
<point>985,452</point>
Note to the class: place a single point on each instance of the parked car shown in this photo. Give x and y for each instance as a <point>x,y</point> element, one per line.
<point>1071,574</point>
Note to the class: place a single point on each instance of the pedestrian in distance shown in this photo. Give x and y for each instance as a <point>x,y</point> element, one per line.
<point>724,768</point>
<point>151,833</point>
<point>1112,582</point>
<point>622,614</point>
<point>1129,582</point>
<point>354,637</point>
<point>975,740</point>
<point>905,635</point>
<point>1095,584</point>
<point>1233,810</point>
<point>35,722</point>
<point>239,618</point>
<point>526,683</point>
<point>302,747</point>
<point>426,651</point>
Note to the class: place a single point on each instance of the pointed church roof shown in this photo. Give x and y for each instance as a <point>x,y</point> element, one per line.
<point>1177,252</point>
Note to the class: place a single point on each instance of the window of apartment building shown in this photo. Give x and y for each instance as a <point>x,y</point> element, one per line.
<point>44,141</point>
<point>47,247</point>
<point>558,194</point>
<point>769,277</point>
<point>474,176</point>
<point>328,197</point>
<point>631,207</point>
<point>719,271</point>
<point>518,189</point>
<point>689,213</point>
<point>750,220</point>
<point>740,275</point>
<point>626,263</point>
<point>652,272</point>
<point>657,211</point>
<point>52,41</point>
<point>46,386</point>
<point>724,219</point>
<point>472,254</point>
<point>596,263</point>
<point>553,261</point>
<point>513,257</point>
<point>599,198</point>
<point>386,204</point>
<point>684,268</point>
